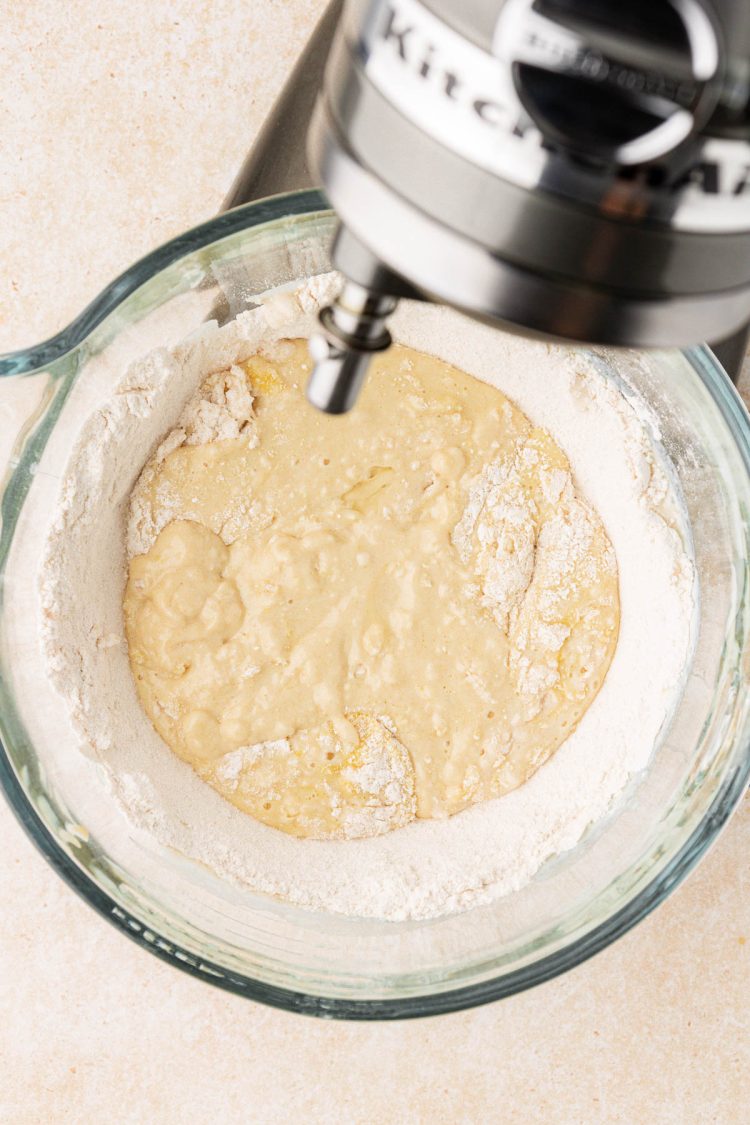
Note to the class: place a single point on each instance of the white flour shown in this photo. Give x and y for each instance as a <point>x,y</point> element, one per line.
<point>429,867</point>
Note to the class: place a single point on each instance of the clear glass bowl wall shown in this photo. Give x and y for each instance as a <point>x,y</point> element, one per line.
<point>322,964</point>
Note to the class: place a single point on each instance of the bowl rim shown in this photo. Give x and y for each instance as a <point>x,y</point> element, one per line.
<point>23,361</point>
<point>26,360</point>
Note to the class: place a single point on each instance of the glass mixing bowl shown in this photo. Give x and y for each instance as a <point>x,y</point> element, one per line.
<point>323,964</point>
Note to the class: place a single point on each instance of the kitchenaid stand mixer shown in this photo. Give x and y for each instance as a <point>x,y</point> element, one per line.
<point>175,906</point>
<point>578,169</point>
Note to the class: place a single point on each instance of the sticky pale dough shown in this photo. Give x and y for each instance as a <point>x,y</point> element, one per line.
<point>345,623</point>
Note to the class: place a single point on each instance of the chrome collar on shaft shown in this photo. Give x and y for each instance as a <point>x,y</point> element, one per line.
<point>352,329</point>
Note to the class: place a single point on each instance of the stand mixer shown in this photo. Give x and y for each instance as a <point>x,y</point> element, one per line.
<point>578,169</point>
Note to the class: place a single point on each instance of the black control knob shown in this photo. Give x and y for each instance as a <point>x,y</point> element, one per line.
<point>624,82</point>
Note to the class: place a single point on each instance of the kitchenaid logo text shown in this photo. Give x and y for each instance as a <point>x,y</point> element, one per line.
<point>464,98</point>
<point>550,50</point>
<point>424,60</point>
<point>712,177</point>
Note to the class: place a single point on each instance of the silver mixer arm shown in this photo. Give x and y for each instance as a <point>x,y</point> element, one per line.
<point>277,161</point>
<point>355,326</point>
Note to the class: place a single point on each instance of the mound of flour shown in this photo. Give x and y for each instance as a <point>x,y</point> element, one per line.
<point>429,867</point>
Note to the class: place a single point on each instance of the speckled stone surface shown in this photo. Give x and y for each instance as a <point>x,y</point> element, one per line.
<point>120,125</point>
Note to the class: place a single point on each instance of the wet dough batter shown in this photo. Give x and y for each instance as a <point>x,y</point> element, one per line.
<point>349,622</point>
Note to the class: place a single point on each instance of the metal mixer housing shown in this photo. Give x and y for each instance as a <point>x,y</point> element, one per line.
<point>574,168</point>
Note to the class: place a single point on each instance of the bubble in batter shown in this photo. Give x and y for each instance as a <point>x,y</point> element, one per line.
<point>348,622</point>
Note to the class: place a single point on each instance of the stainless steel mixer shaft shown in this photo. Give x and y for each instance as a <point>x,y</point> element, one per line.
<point>576,170</point>
<point>351,331</point>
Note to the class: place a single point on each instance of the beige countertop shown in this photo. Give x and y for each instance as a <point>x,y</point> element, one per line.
<point>120,125</point>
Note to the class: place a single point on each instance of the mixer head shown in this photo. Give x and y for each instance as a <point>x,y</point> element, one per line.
<point>578,169</point>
